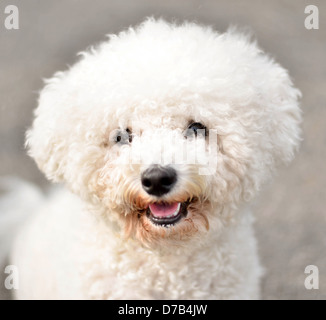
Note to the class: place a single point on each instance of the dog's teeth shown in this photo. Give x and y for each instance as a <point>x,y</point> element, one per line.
<point>175,213</point>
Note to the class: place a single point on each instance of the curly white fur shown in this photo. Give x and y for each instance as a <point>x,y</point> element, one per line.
<point>155,78</point>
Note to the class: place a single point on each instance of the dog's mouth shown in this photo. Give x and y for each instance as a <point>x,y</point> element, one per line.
<point>167,214</point>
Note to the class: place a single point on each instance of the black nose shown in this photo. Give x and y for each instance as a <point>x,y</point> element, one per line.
<point>157,180</point>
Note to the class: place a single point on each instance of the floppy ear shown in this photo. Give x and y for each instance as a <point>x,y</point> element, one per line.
<point>283,132</point>
<point>48,139</point>
<point>267,110</point>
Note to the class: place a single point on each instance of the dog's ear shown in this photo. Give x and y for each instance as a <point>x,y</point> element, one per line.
<point>48,139</point>
<point>283,114</point>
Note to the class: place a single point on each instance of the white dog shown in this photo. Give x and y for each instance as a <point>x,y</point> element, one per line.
<point>143,220</point>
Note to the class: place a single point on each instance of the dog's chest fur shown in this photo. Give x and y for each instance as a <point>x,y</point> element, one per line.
<point>223,268</point>
<point>78,258</point>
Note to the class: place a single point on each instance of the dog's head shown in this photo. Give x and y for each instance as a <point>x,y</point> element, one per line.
<point>167,129</point>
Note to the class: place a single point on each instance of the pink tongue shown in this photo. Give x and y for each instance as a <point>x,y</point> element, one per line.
<point>164,209</point>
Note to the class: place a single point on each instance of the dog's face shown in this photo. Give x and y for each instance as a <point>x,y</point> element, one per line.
<point>166,129</point>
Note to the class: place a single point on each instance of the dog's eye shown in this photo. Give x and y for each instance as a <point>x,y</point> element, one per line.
<point>123,137</point>
<point>196,129</point>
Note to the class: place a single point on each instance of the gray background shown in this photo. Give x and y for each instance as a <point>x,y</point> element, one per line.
<point>291,211</point>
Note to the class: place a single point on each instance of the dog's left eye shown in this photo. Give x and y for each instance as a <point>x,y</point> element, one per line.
<point>123,137</point>
<point>196,129</point>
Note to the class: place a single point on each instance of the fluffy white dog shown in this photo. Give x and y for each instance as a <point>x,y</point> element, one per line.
<point>163,134</point>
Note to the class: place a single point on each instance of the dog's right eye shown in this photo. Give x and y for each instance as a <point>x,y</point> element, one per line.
<point>196,129</point>
<point>122,137</point>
